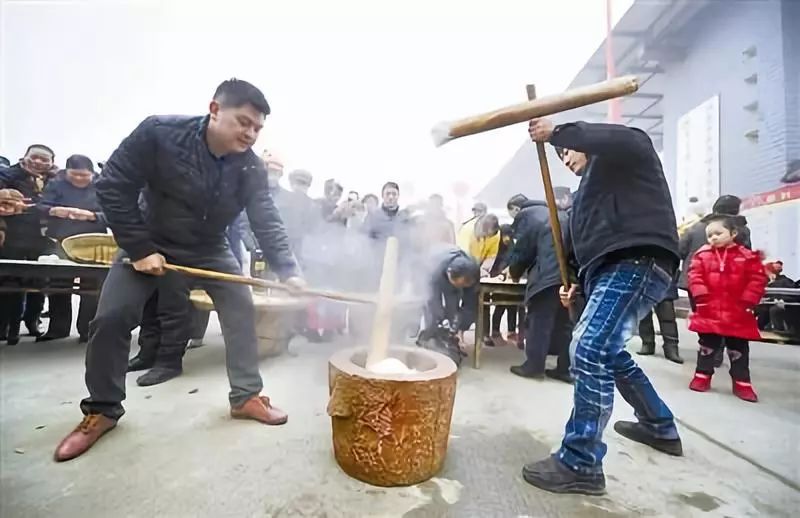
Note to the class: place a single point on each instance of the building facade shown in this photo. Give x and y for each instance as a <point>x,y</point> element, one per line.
<point>720,98</point>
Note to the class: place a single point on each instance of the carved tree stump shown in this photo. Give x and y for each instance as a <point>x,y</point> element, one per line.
<point>391,430</point>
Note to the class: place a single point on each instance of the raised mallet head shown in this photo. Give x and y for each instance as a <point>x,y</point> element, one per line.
<point>444,132</point>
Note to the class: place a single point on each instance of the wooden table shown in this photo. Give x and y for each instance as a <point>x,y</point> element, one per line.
<point>24,276</point>
<point>494,292</point>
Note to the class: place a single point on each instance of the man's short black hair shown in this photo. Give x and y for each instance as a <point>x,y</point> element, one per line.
<point>462,267</point>
<point>516,201</point>
<point>390,184</point>
<point>80,162</point>
<point>727,204</point>
<point>235,93</point>
<point>40,146</point>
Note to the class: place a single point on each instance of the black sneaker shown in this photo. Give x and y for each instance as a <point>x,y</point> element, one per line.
<point>552,475</point>
<point>647,349</point>
<point>523,372</point>
<point>158,375</point>
<point>140,363</point>
<point>639,433</point>
<point>559,376</point>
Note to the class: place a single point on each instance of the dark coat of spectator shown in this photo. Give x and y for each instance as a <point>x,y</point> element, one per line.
<point>534,251</point>
<point>61,193</point>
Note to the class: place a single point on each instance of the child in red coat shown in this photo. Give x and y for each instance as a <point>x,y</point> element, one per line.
<point>726,281</point>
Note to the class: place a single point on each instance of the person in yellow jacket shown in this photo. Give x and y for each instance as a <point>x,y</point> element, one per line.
<point>484,243</point>
<point>467,230</point>
<point>483,246</point>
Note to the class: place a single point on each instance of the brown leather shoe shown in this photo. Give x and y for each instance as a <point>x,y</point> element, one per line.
<point>259,409</point>
<point>83,437</point>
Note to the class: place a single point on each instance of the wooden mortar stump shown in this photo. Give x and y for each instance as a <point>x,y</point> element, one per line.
<point>391,430</point>
<point>275,318</point>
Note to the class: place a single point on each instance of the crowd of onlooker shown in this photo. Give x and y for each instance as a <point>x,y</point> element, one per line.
<point>338,241</point>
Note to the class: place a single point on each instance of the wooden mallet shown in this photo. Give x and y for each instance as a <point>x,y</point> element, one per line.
<point>549,194</point>
<point>446,131</point>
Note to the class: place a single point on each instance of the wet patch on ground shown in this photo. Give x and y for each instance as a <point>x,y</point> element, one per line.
<point>701,501</point>
<point>488,465</point>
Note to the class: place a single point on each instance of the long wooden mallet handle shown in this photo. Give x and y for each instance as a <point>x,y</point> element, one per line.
<point>555,224</point>
<point>261,283</point>
<point>571,99</point>
<point>241,279</point>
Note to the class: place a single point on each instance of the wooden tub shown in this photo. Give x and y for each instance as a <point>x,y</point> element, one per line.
<point>276,316</point>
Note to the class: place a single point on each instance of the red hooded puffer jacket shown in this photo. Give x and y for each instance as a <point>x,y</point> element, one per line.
<point>726,284</point>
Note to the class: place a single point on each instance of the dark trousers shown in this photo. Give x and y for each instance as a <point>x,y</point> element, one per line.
<point>548,328</point>
<point>199,323</point>
<point>164,329</point>
<point>665,312</point>
<point>497,317</point>
<point>61,305</point>
<point>738,354</point>
<point>122,300</point>
<point>17,307</point>
<point>61,314</point>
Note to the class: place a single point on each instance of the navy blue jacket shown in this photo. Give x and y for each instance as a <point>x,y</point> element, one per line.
<point>445,301</point>
<point>191,197</point>
<point>534,251</point>
<point>60,193</point>
<point>23,230</point>
<point>623,200</point>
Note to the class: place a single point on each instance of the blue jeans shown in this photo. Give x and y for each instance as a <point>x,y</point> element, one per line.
<point>619,296</point>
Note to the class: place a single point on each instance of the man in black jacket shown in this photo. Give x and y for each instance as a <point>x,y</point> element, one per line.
<point>69,202</point>
<point>22,237</point>
<point>450,291</point>
<point>548,325</point>
<point>625,240</point>
<point>197,174</point>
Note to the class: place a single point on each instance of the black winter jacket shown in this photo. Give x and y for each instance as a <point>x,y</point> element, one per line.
<point>534,251</point>
<point>23,230</point>
<point>623,200</point>
<point>191,197</point>
<point>445,301</point>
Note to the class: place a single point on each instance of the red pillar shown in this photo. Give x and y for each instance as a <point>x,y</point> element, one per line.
<point>614,110</point>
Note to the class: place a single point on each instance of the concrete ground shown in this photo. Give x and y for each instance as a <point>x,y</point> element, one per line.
<point>178,454</point>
